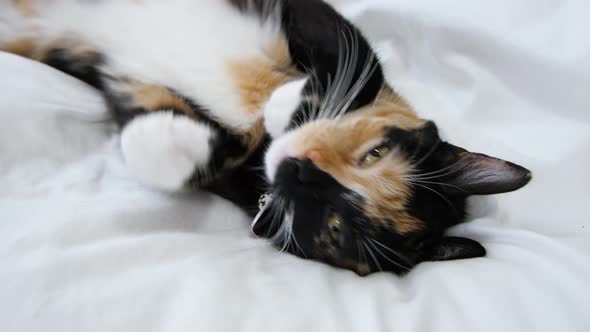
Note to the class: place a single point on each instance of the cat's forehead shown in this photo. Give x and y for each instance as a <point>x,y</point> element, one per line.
<point>355,129</point>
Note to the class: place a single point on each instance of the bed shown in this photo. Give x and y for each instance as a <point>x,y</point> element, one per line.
<point>85,247</point>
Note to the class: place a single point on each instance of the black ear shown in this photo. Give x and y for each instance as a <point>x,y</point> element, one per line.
<point>452,247</point>
<point>478,174</point>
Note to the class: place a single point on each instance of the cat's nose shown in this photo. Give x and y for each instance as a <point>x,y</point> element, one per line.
<point>305,170</point>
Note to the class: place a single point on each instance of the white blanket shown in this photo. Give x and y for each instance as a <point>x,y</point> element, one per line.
<point>84,247</point>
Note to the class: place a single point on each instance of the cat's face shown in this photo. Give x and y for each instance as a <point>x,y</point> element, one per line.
<point>375,190</point>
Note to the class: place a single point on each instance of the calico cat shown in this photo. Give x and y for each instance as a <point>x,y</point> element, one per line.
<point>206,92</point>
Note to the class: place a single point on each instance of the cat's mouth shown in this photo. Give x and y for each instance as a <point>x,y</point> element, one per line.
<point>299,189</point>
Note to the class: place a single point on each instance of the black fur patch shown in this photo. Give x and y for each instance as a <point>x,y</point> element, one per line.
<point>226,144</point>
<point>83,68</point>
<point>244,185</point>
<point>315,33</point>
<point>313,195</point>
<point>420,147</point>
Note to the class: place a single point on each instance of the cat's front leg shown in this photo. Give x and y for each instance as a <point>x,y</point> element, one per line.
<point>165,150</point>
<point>168,141</point>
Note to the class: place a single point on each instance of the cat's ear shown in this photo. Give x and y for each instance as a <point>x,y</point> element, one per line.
<point>452,247</point>
<point>478,174</point>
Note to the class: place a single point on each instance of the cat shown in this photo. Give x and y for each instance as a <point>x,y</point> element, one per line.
<point>282,100</point>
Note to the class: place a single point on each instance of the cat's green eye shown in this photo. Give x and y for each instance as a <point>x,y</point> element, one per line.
<point>375,155</point>
<point>334,225</point>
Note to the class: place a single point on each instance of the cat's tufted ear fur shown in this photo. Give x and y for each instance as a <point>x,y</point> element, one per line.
<point>479,174</point>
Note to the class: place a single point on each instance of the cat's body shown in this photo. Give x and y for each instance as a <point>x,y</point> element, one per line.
<point>201,58</point>
<point>201,88</point>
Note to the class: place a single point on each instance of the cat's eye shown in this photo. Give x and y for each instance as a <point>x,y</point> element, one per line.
<point>334,225</point>
<point>375,155</point>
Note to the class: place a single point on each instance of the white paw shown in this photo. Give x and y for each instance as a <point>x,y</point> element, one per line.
<point>164,150</point>
<point>279,109</point>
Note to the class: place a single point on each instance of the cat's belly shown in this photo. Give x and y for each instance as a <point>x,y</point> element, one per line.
<point>206,50</point>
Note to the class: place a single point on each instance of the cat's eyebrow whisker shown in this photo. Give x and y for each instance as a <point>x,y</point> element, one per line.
<point>368,69</point>
<point>316,92</point>
<point>345,72</point>
<point>351,92</point>
<point>343,76</point>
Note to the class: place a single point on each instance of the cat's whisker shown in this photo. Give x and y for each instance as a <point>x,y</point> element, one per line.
<point>297,246</point>
<point>365,75</point>
<point>316,92</point>
<point>427,155</point>
<point>373,257</point>
<point>343,77</point>
<point>277,209</point>
<point>349,75</point>
<point>438,194</point>
<point>350,56</point>
<point>414,181</point>
<point>363,254</point>
<point>372,245</point>
<point>453,168</point>
<point>397,254</point>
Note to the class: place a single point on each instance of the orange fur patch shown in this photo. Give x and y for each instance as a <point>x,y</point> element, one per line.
<point>257,78</point>
<point>25,8</point>
<point>23,47</point>
<point>154,97</point>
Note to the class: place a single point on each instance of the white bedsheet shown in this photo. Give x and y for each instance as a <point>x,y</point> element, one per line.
<point>83,247</point>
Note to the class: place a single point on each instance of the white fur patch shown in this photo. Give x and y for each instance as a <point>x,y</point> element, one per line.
<point>276,153</point>
<point>279,109</point>
<point>163,150</point>
<point>184,44</point>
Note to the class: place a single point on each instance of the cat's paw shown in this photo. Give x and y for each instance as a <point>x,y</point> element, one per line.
<point>164,150</point>
<point>281,105</point>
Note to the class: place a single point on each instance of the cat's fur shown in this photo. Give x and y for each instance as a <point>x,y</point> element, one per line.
<point>202,87</point>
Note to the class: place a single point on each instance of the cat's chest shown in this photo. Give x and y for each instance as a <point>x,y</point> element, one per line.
<point>206,50</point>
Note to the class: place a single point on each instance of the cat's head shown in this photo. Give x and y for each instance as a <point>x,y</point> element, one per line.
<point>375,189</point>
